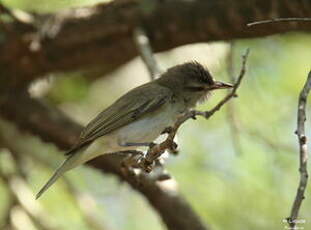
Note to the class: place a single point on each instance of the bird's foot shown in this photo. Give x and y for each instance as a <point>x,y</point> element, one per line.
<point>129,163</point>
<point>167,130</point>
<point>146,165</point>
<point>173,148</point>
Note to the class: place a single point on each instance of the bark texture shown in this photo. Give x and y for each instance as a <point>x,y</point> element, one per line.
<point>101,36</point>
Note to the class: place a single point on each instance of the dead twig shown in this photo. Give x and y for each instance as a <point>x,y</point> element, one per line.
<point>278,20</point>
<point>143,45</point>
<point>234,123</point>
<point>303,153</point>
<point>157,150</point>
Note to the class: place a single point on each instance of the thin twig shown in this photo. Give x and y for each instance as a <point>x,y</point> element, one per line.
<point>273,144</point>
<point>303,153</point>
<point>145,51</point>
<point>157,150</point>
<point>278,20</point>
<point>231,111</point>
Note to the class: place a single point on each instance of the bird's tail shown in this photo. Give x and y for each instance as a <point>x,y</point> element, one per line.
<point>72,161</point>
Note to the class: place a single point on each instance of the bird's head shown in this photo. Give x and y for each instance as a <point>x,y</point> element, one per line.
<point>192,81</point>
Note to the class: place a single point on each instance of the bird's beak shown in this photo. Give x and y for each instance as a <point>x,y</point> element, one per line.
<point>221,85</point>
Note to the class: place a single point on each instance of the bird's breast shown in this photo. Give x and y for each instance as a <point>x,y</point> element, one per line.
<point>150,126</point>
<point>145,129</point>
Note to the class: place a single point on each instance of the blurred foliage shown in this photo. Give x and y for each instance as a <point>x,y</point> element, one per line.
<point>70,88</point>
<point>46,6</point>
<point>252,190</point>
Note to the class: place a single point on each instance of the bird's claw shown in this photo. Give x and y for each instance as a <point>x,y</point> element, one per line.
<point>167,130</point>
<point>130,162</point>
<point>146,165</point>
<point>193,115</point>
<point>151,145</point>
<point>173,149</point>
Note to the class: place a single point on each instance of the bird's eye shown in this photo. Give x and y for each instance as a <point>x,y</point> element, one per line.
<point>195,88</point>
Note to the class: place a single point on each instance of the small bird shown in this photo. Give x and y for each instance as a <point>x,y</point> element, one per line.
<point>141,115</point>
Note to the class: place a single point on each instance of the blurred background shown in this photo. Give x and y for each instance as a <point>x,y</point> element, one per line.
<point>239,169</point>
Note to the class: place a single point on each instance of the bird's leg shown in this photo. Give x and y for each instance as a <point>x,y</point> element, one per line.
<point>123,153</point>
<point>130,162</point>
<point>173,148</point>
<point>167,130</point>
<point>162,174</point>
<point>134,144</point>
<point>132,158</point>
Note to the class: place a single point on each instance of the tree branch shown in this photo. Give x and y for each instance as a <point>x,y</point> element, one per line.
<point>303,153</point>
<point>101,36</point>
<point>143,45</point>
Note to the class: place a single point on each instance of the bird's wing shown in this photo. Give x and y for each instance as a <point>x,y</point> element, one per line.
<point>143,99</point>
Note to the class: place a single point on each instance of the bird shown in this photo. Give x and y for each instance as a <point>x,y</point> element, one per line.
<point>141,115</point>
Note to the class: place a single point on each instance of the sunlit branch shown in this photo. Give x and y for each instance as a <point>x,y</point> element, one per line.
<point>278,20</point>
<point>303,153</point>
<point>143,45</point>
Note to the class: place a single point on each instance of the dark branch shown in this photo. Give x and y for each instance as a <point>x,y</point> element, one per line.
<point>103,35</point>
<point>303,153</point>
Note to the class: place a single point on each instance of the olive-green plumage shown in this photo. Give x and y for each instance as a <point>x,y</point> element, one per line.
<point>140,115</point>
